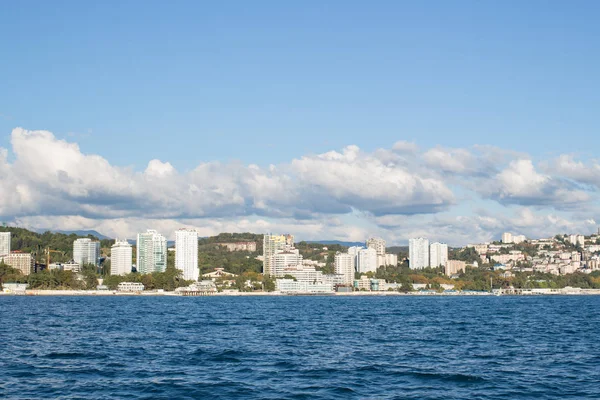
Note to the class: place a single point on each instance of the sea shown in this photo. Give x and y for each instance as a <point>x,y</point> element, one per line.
<point>295,347</point>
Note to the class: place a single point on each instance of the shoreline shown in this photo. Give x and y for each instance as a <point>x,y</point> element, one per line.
<point>104,293</point>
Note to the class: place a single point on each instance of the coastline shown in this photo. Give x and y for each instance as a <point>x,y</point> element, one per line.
<point>104,293</point>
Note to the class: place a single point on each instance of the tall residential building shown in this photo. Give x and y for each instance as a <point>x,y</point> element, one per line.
<point>4,243</point>
<point>288,258</point>
<point>507,237</point>
<point>366,260</point>
<point>344,265</point>
<point>86,251</point>
<point>378,244</point>
<point>418,253</point>
<point>577,240</point>
<point>21,261</point>
<point>186,253</point>
<point>120,258</point>
<point>151,252</point>
<point>272,244</point>
<point>438,254</point>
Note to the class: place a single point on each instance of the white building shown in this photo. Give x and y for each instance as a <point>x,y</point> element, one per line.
<point>387,259</point>
<point>507,237</point>
<point>120,258</point>
<point>577,240</point>
<point>292,286</point>
<point>73,267</point>
<point>130,287</point>
<point>186,253</point>
<point>438,254</point>
<point>86,251</point>
<point>272,244</point>
<point>418,253</point>
<point>378,244</point>
<point>519,239</point>
<point>366,260</point>
<point>344,264</point>
<point>151,252</point>
<point>289,258</point>
<point>4,243</point>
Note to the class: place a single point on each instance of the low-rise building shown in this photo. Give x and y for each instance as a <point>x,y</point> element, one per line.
<point>240,246</point>
<point>19,260</point>
<point>292,286</point>
<point>130,287</point>
<point>453,267</point>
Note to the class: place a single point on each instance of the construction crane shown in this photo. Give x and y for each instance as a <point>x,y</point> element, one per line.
<point>48,251</point>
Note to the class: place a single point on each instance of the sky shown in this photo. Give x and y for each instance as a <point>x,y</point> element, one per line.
<point>326,119</point>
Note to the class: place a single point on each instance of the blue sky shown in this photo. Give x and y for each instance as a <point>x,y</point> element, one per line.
<point>266,82</point>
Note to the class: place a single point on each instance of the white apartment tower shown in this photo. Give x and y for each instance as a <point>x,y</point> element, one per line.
<point>507,237</point>
<point>151,252</point>
<point>120,258</point>
<point>344,265</point>
<point>418,253</point>
<point>289,258</point>
<point>86,251</point>
<point>186,253</point>
<point>273,244</point>
<point>438,255</point>
<point>378,244</point>
<point>366,260</point>
<point>4,243</point>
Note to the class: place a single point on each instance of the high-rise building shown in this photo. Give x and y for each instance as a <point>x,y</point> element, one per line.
<point>418,253</point>
<point>272,244</point>
<point>4,243</point>
<point>344,265</point>
<point>288,258</point>
<point>151,252</point>
<point>86,251</point>
<point>438,254</point>
<point>186,253</point>
<point>120,258</point>
<point>366,261</point>
<point>378,244</point>
<point>507,237</point>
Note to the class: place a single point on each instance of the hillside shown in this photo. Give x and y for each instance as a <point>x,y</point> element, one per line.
<point>36,243</point>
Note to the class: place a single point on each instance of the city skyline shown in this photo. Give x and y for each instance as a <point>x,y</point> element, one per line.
<point>328,131</point>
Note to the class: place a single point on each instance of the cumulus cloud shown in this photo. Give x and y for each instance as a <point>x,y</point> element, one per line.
<point>397,192</point>
<point>520,183</point>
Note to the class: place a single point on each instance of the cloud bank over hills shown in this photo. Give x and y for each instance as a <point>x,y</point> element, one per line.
<point>457,195</point>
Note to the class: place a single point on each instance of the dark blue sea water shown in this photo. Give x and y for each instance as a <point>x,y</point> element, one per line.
<point>300,347</point>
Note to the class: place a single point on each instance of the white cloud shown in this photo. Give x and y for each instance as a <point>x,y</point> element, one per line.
<point>397,192</point>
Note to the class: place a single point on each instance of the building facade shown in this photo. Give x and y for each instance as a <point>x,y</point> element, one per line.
<point>186,253</point>
<point>151,252</point>
<point>289,258</point>
<point>272,244</point>
<point>4,243</point>
<point>86,251</point>
<point>418,253</point>
<point>240,246</point>
<point>453,267</point>
<point>344,265</point>
<point>21,261</point>
<point>121,255</point>
<point>378,244</point>
<point>366,260</point>
<point>438,255</point>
